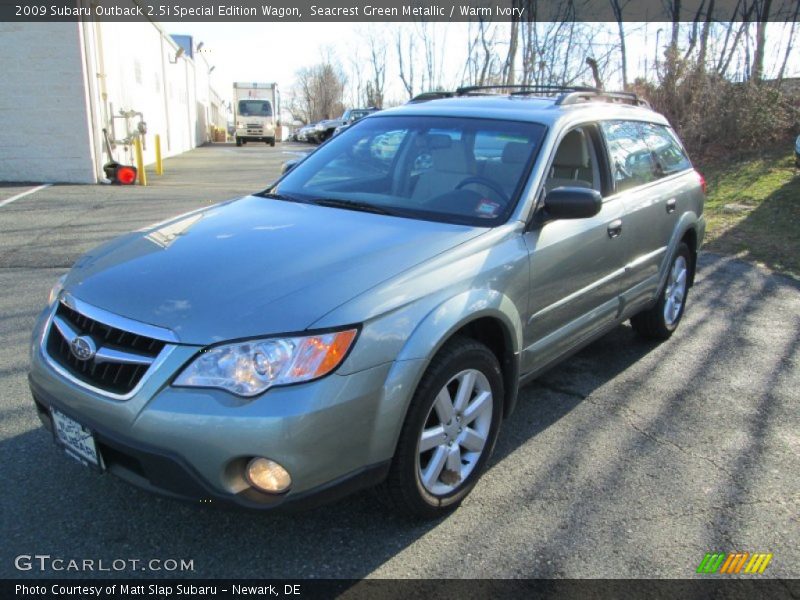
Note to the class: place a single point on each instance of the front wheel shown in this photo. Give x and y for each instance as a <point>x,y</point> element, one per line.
<point>660,321</point>
<point>271,142</point>
<point>238,142</point>
<point>450,431</point>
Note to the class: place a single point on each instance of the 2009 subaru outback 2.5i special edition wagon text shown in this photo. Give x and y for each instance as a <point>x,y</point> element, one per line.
<point>368,319</point>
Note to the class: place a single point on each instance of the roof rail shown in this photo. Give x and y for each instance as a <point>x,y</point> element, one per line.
<point>567,95</point>
<point>424,97</point>
<point>525,89</point>
<point>613,97</point>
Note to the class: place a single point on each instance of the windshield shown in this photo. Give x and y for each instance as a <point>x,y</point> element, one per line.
<point>458,170</point>
<point>255,108</point>
<point>355,115</point>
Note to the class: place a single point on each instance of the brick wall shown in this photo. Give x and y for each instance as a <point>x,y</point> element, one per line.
<point>44,122</point>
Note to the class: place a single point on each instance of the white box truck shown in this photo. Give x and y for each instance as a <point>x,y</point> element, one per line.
<point>256,110</point>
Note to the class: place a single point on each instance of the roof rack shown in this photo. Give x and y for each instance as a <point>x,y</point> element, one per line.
<point>524,89</point>
<point>567,95</point>
<point>579,97</point>
<point>424,97</point>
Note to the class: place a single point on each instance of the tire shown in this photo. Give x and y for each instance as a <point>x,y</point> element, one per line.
<point>238,142</point>
<point>271,142</point>
<point>660,321</point>
<point>414,486</point>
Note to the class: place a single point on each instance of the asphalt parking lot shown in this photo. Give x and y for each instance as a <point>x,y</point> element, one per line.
<point>629,460</point>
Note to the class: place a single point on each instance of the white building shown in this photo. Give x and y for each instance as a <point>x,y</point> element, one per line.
<point>64,83</point>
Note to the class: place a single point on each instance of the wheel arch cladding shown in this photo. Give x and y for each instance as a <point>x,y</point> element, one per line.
<point>485,315</point>
<point>690,239</point>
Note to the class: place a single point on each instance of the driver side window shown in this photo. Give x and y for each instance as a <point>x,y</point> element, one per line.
<point>575,162</point>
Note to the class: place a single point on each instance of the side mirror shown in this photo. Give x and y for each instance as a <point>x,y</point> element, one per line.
<point>572,203</point>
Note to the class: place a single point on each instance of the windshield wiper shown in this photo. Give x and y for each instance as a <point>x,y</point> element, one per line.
<point>353,205</point>
<point>274,196</point>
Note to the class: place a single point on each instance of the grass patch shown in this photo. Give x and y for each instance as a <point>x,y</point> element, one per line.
<point>753,209</point>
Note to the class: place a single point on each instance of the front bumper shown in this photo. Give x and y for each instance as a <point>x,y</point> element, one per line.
<point>332,435</point>
<point>261,134</point>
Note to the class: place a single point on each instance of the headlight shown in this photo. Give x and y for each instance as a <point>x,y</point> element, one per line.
<point>250,368</point>
<point>56,289</point>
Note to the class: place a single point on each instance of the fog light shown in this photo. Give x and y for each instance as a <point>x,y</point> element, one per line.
<point>268,476</point>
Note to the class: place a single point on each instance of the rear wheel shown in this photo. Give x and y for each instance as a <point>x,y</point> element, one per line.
<point>450,431</point>
<point>660,321</point>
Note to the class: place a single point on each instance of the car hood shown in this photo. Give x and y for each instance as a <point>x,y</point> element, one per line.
<point>253,266</point>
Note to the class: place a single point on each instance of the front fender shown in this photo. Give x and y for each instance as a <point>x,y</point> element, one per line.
<point>428,337</point>
<point>450,316</point>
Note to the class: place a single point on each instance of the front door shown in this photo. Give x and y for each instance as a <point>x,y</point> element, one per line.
<point>577,265</point>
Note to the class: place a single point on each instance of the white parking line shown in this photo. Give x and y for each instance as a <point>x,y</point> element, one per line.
<point>23,194</point>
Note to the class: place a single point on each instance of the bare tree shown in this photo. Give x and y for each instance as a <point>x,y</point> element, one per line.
<point>790,42</point>
<point>763,8</point>
<point>618,6</point>
<point>375,86</point>
<point>703,53</point>
<point>511,57</point>
<point>406,59</point>
<point>319,92</point>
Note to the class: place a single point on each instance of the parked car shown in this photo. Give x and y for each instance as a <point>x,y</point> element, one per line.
<point>369,318</point>
<point>326,129</point>
<point>353,115</point>
<point>304,132</point>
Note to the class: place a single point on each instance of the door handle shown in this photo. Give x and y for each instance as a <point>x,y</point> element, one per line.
<point>671,204</point>
<point>615,228</point>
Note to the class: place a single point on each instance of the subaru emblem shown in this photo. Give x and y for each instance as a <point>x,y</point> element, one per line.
<point>83,347</point>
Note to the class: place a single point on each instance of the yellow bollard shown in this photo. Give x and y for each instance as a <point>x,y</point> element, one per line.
<point>137,144</point>
<point>159,164</point>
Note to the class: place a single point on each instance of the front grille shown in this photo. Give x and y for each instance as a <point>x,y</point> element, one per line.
<point>107,374</point>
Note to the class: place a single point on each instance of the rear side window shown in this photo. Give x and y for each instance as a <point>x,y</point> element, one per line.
<point>642,152</point>
<point>667,152</point>
<point>631,162</point>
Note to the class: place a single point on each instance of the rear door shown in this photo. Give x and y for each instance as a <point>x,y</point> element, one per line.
<point>654,179</point>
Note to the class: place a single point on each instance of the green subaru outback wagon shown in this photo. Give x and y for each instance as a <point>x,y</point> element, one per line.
<point>369,318</point>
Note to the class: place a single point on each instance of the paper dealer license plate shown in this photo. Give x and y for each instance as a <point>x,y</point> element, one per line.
<point>76,440</point>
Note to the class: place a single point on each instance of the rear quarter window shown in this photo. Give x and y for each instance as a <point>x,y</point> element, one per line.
<point>642,152</point>
<point>668,153</point>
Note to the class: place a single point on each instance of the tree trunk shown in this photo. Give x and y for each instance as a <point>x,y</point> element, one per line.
<point>511,57</point>
<point>789,43</point>
<point>757,73</point>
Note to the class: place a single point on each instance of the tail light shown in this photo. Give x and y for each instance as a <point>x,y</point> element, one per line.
<point>702,182</point>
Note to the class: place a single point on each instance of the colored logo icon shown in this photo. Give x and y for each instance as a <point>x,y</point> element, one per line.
<point>733,563</point>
